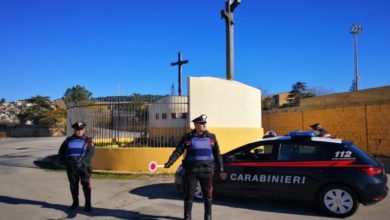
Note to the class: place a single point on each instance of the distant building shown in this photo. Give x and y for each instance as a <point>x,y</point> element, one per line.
<point>275,100</point>
<point>9,114</point>
<point>168,113</point>
<point>171,111</point>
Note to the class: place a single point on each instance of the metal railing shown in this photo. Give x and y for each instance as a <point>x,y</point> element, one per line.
<point>133,124</point>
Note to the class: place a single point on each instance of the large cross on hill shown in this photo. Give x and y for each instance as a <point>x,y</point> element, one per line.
<point>179,63</point>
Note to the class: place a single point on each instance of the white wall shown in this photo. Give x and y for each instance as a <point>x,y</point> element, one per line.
<point>226,103</point>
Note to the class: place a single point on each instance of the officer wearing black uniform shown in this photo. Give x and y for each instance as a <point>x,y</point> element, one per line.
<point>319,130</point>
<point>269,134</point>
<point>76,153</point>
<point>202,150</point>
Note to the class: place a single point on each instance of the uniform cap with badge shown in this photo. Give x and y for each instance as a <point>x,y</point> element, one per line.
<point>201,119</point>
<point>79,125</point>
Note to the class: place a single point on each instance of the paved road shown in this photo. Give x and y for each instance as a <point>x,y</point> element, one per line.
<point>28,192</point>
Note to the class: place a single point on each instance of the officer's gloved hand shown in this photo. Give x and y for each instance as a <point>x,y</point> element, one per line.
<point>168,164</point>
<point>79,165</point>
<point>222,174</point>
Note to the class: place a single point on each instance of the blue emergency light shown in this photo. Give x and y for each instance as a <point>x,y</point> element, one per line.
<point>302,134</point>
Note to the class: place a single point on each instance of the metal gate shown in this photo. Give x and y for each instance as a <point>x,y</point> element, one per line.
<point>133,124</point>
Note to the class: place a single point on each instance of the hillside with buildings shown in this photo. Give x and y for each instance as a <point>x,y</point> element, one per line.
<point>9,112</point>
<point>37,116</point>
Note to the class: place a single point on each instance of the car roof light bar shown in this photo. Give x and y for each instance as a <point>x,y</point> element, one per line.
<point>302,134</point>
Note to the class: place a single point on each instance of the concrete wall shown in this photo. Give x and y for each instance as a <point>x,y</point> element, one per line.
<point>133,160</point>
<point>367,125</point>
<point>233,109</point>
<point>378,95</point>
<point>26,131</point>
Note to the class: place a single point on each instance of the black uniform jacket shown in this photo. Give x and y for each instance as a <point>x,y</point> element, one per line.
<point>207,166</point>
<point>85,160</point>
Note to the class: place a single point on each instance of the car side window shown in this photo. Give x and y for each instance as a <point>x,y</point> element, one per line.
<point>332,151</point>
<point>298,152</point>
<point>255,153</point>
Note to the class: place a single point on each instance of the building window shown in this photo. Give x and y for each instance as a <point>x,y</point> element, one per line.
<point>164,116</point>
<point>157,116</point>
<point>183,115</point>
<point>173,115</point>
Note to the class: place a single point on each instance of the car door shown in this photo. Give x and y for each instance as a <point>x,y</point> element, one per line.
<point>299,168</point>
<point>244,169</point>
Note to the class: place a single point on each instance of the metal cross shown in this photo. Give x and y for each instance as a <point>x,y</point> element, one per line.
<point>179,63</point>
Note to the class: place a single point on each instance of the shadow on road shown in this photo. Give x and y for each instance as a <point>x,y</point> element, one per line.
<point>159,191</point>
<point>97,212</point>
<point>49,162</point>
<point>170,191</point>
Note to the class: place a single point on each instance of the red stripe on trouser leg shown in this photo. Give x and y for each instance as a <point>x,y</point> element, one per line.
<point>89,184</point>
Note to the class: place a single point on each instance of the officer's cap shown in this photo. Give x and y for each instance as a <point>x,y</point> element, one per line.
<point>79,125</point>
<point>269,134</point>
<point>201,119</point>
<point>316,125</point>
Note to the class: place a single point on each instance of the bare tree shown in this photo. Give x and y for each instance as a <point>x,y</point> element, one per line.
<point>320,91</point>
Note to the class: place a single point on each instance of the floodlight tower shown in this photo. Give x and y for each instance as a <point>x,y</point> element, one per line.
<point>227,14</point>
<point>355,30</point>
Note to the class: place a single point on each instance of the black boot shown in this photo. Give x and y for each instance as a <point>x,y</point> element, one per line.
<point>75,196</point>
<point>207,208</point>
<point>188,210</point>
<point>87,195</point>
<point>74,205</point>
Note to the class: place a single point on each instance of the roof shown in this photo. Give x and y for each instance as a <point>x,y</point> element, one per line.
<point>317,139</point>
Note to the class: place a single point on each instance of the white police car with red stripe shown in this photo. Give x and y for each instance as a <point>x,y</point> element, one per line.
<point>332,172</point>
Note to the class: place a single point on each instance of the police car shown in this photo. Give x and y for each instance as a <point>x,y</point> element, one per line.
<point>332,172</point>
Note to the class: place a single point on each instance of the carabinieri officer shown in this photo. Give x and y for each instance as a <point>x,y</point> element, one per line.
<point>76,153</point>
<point>202,150</point>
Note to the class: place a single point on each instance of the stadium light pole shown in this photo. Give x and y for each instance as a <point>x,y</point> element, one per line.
<point>355,30</point>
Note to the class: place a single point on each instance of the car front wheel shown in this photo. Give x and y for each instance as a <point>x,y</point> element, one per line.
<point>338,200</point>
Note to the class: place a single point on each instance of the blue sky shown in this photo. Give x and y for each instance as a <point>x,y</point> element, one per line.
<point>123,47</point>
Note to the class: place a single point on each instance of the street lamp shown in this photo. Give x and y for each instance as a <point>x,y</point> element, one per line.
<point>355,30</point>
